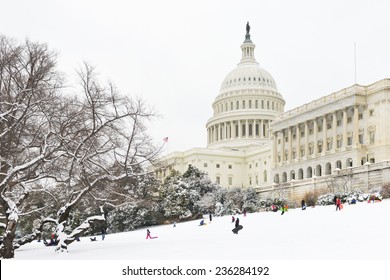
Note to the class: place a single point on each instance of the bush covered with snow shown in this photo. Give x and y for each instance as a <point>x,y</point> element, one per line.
<point>130,217</point>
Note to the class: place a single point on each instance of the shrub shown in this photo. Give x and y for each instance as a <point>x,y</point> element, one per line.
<point>385,191</point>
<point>311,198</point>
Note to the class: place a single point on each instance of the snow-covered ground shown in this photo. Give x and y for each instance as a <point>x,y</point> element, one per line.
<point>358,232</point>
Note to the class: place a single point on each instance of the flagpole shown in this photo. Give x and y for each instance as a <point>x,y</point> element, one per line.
<point>355,59</point>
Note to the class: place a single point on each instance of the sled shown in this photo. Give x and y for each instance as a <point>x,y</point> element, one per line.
<point>237,229</point>
<point>341,206</point>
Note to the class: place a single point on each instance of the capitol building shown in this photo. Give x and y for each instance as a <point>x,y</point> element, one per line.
<point>340,140</point>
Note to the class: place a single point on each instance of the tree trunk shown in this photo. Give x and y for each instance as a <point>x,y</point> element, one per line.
<point>7,250</point>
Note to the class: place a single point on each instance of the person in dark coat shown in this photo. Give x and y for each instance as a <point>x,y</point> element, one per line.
<point>103,232</point>
<point>148,235</point>
<point>211,217</point>
<point>244,212</point>
<point>237,227</point>
<point>303,204</point>
<point>233,219</point>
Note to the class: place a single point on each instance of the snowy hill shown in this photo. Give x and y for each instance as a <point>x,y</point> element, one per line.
<point>358,232</point>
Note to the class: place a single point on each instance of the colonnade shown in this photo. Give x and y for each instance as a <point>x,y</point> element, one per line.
<point>316,136</point>
<point>238,129</point>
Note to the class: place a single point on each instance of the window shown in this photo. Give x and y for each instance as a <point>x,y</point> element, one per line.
<point>349,119</point>
<point>319,147</point>
<point>310,131</point>
<point>329,144</point>
<point>278,141</point>
<point>257,180</point>
<point>250,166</point>
<point>339,143</point>
<point>243,104</point>
<point>256,104</point>
<point>371,112</point>
<point>205,164</point>
<point>217,165</point>
<point>302,134</point>
<point>218,180</point>
<point>231,105</point>
<point>250,181</point>
<point>338,122</point>
<point>250,104</point>
<point>360,116</point>
<point>302,151</point>
<point>361,138</point>
<point>268,105</point>
<point>286,139</point>
<point>230,181</point>
<point>237,105</point>
<point>262,104</point>
<point>372,137</point>
<point>257,164</point>
<point>243,130</point>
<point>328,125</point>
<point>265,176</point>
<point>349,139</point>
<point>230,166</point>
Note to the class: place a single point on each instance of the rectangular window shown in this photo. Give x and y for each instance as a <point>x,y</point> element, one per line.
<point>339,143</point>
<point>256,104</point>
<point>204,164</point>
<point>302,134</point>
<point>349,119</point>
<point>310,131</point>
<point>230,166</point>
<point>328,125</point>
<point>349,140</point>
<point>243,104</point>
<point>371,112</point>
<point>361,138</point>
<point>330,145</point>
<point>230,181</point>
<point>338,122</point>
<point>217,165</point>
<point>250,166</point>
<point>360,116</point>
<point>237,105</point>
<point>372,137</point>
<point>218,180</point>
<point>250,181</point>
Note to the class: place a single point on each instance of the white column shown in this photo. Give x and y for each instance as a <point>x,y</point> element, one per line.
<point>315,128</point>
<point>246,129</point>
<point>306,138</point>
<point>275,141</point>
<point>283,147</point>
<point>345,123</point>
<point>289,144</point>
<point>355,139</point>
<point>298,144</point>
<point>261,130</point>
<point>334,127</point>
<point>325,128</point>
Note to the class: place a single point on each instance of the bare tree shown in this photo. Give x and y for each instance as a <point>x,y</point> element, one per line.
<point>29,85</point>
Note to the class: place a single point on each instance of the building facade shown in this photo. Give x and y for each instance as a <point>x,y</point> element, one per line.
<point>252,142</point>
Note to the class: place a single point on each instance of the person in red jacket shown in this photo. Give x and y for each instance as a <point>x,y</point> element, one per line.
<point>338,203</point>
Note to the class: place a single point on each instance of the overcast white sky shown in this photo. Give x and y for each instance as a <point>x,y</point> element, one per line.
<point>176,53</point>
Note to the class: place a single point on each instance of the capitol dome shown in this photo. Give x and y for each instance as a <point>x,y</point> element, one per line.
<point>246,105</point>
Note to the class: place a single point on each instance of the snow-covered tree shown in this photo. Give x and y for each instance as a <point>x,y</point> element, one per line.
<point>29,84</point>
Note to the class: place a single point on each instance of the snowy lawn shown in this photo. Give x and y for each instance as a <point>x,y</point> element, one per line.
<point>359,231</point>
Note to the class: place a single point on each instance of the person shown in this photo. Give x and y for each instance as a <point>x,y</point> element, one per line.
<point>303,204</point>
<point>244,212</point>
<point>237,227</point>
<point>148,235</point>
<point>103,233</point>
<point>174,224</point>
<point>233,219</point>
<point>211,217</point>
<point>274,208</point>
<point>338,204</point>
<point>93,238</point>
<point>202,223</point>
<point>284,209</point>
<point>237,222</point>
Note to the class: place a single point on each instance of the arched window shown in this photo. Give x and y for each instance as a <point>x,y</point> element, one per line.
<point>284,177</point>
<point>349,162</point>
<point>338,164</point>
<point>276,179</point>
<point>250,104</point>
<point>309,172</point>
<point>265,176</point>
<point>328,169</point>
<point>262,104</point>
<point>250,130</point>
<point>318,170</point>
<point>300,174</point>
<point>292,175</point>
<point>256,104</point>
